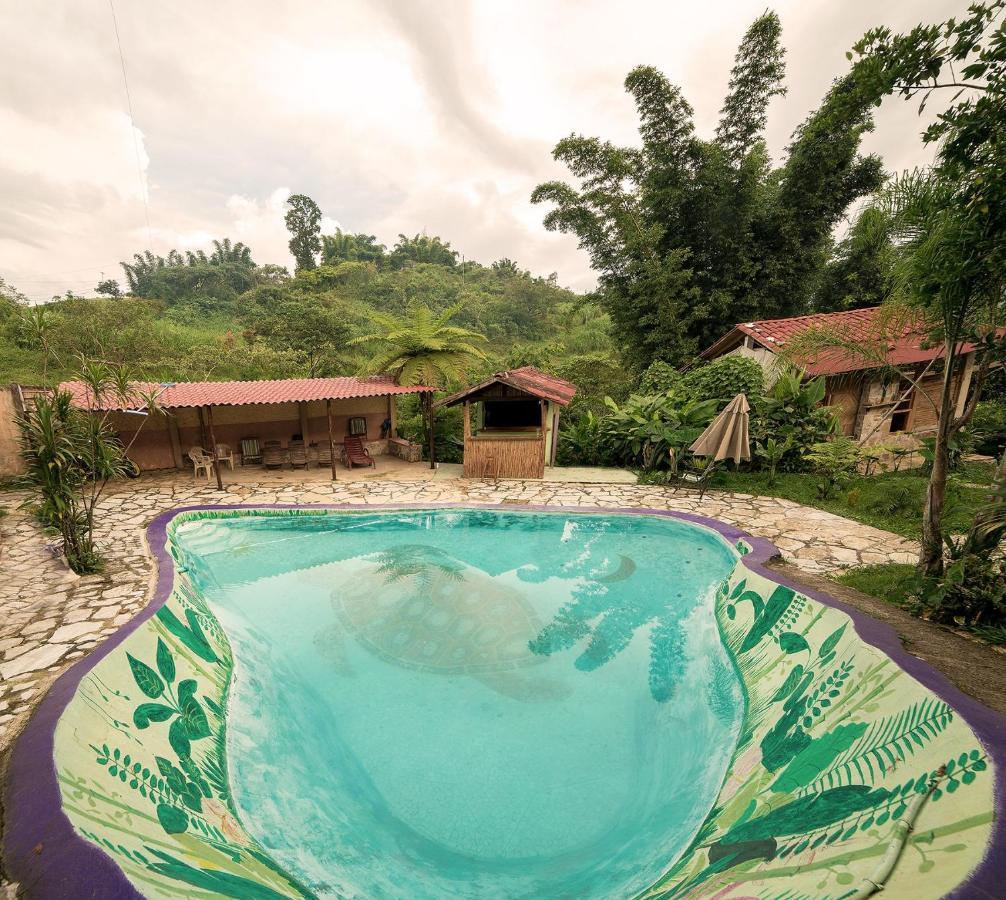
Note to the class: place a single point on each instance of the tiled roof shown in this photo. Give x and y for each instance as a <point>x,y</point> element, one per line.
<point>243,393</point>
<point>528,379</point>
<point>858,324</point>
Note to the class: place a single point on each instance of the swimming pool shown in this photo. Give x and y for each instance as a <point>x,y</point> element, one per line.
<point>492,702</point>
<point>449,702</point>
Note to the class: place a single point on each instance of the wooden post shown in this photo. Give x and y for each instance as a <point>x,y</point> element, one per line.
<point>304,430</point>
<point>392,417</point>
<point>176,441</point>
<point>203,437</point>
<point>331,436</point>
<point>544,432</point>
<point>433,449</point>
<point>213,441</point>
<point>555,434</point>
<point>468,422</point>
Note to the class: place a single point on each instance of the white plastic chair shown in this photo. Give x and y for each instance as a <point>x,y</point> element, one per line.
<point>201,462</point>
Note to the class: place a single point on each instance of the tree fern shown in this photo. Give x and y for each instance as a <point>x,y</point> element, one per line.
<point>887,743</point>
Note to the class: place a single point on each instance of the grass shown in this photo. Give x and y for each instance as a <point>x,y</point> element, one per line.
<point>892,501</point>
<point>894,583</point>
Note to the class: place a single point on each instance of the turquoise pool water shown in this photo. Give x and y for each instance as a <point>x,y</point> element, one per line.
<point>471,703</point>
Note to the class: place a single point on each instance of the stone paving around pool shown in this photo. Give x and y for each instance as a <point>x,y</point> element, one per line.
<point>49,617</point>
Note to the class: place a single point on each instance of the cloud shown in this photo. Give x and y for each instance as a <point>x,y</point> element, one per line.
<point>394,116</point>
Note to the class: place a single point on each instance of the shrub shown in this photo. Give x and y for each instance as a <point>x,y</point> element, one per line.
<point>448,429</point>
<point>580,442</point>
<point>725,378</point>
<point>659,378</point>
<point>71,454</point>
<point>988,426</point>
<point>654,431</point>
<point>773,452</point>
<point>836,460</point>
<point>971,591</point>
<point>791,412</point>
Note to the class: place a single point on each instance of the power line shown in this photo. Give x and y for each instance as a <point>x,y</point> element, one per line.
<point>132,124</point>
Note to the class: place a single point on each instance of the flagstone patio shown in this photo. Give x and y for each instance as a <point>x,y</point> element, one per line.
<point>50,617</point>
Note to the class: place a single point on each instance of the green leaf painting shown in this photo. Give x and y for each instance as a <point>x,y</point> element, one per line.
<point>165,662</point>
<point>791,642</point>
<point>147,680</point>
<point>173,820</point>
<point>178,737</point>
<point>816,757</point>
<point>889,742</point>
<point>186,691</point>
<point>192,635</point>
<point>146,713</point>
<point>809,813</point>
<point>218,883</point>
<point>831,642</point>
<point>792,680</point>
<point>196,725</point>
<point>777,604</point>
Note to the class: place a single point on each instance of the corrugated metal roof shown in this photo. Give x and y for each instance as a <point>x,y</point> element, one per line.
<point>858,324</point>
<point>528,379</point>
<point>184,394</point>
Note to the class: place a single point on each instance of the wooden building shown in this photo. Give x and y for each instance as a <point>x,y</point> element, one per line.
<point>875,404</point>
<point>511,423</point>
<point>313,411</point>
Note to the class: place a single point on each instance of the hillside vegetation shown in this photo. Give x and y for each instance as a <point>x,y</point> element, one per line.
<point>194,317</point>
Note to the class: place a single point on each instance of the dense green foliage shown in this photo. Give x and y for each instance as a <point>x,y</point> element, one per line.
<point>303,221</point>
<point>969,592</point>
<point>949,222</point>
<point>988,427</point>
<point>653,431</point>
<point>858,272</point>
<point>70,455</point>
<point>688,235</point>
<point>190,316</point>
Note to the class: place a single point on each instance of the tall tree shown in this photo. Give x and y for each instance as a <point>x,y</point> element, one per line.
<point>303,221</point>
<point>422,347</point>
<point>858,270</point>
<point>690,235</point>
<point>109,287</point>
<point>422,249</point>
<point>345,247</point>
<point>951,220</point>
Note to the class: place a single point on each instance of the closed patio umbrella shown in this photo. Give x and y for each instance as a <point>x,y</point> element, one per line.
<point>726,437</point>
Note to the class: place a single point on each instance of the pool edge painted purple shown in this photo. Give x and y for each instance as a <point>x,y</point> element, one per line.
<point>45,855</point>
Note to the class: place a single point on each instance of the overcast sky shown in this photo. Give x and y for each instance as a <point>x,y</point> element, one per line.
<point>394,115</point>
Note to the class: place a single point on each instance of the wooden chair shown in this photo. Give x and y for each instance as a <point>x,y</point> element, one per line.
<point>356,453</point>
<point>225,455</point>
<point>201,461</point>
<point>322,453</point>
<point>273,455</point>
<point>250,451</point>
<point>298,454</point>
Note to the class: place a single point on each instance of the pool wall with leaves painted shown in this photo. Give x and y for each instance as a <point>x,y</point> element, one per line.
<point>120,784</point>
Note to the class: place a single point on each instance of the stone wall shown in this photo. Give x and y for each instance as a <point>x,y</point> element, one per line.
<point>11,462</point>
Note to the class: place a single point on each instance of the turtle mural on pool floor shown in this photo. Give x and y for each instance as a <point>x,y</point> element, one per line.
<point>417,607</point>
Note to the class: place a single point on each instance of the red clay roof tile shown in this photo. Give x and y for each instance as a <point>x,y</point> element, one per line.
<point>242,393</point>
<point>859,324</point>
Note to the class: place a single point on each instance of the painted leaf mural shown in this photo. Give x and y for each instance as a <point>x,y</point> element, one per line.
<point>836,741</point>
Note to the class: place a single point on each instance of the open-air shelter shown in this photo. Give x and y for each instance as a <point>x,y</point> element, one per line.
<point>511,422</point>
<point>210,413</point>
